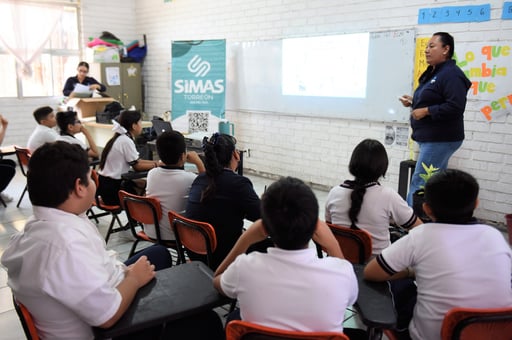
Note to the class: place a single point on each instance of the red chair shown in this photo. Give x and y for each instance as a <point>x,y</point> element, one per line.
<point>26,320</point>
<point>356,244</point>
<point>143,210</point>
<point>473,324</point>
<point>243,330</point>
<point>113,210</point>
<point>198,237</point>
<point>477,323</point>
<point>23,155</point>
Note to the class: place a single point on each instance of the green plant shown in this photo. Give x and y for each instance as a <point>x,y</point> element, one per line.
<point>429,172</point>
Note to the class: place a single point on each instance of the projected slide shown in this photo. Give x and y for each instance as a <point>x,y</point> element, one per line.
<point>326,66</point>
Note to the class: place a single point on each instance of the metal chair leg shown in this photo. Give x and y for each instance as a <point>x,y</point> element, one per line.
<point>21,198</point>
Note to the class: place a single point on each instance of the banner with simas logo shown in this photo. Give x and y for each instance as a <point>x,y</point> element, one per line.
<point>198,85</point>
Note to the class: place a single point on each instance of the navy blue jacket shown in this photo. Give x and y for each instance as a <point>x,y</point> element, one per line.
<point>72,81</point>
<point>234,201</point>
<point>443,90</point>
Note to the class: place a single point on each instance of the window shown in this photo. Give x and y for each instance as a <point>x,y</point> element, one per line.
<point>59,55</point>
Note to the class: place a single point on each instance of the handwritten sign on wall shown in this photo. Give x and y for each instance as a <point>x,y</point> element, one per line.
<point>437,15</point>
<point>487,65</point>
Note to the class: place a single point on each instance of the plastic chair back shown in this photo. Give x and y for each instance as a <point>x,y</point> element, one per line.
<point>243,330</point>
<point>356,244</point>
<point>475,323</point>
<point>26,320</point>
<point>198,237</point>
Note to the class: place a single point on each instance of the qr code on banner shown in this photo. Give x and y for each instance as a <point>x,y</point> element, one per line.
<point>198,121</point>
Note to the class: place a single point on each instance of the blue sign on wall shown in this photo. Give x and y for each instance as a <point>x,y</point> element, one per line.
<point>198,84</point>
<point>454,14</point>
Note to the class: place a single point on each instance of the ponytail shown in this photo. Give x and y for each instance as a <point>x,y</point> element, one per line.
<point>218,151</point>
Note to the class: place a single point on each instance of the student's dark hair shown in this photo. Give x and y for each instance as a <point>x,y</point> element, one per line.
<point>83,63</point>
<point>53,170</point>
<point>64,118</point>
<point>368,163</point>
<point>41,113</point>
<point>126,119</point>
<point>447,40</point>
<point>218,151</point>
<point>289,210</point>
<point>170,146</point>
<point>452,195</point>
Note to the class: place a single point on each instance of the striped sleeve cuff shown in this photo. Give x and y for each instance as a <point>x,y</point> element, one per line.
<point>384,265</point>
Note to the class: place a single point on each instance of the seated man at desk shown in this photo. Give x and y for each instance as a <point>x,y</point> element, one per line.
<point>69,126</point>
<point>289,287</point>
<point>170,183</point>
<point>44,132</point>
<point>457,261</point>
<point>58,266</point>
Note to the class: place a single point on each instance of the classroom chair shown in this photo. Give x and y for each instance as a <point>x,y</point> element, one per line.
<point>143,210</point>
<point>243,330</point>
<point>477,323</point>
<point>198,237</point>
<point>356,244</point>
<point>26,320</point>
<point>113,210</point>
<point>23,155</point>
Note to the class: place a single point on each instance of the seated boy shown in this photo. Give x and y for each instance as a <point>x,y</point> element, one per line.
<point>58,266</point>
<point>457,261</point>
<point>44,132</point>
<point>69,126</point>
<point>169,182</point>
<point>289,287</point>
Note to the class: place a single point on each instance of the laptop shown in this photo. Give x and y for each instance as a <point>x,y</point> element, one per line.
<point>161,126</point>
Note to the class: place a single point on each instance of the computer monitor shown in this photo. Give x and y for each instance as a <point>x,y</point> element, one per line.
<point>161,126</point>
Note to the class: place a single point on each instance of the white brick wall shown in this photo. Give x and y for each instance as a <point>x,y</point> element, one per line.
<point>314,149</point>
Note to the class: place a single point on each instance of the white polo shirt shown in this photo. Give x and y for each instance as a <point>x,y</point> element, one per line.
<point>456,265</point>
<point>171,187</point>
<point>73,140</point>
<point>59,269</point>
<point>292,289</point>
<point>41,134</point>
<point>122,155</point>
<point>380,204</point>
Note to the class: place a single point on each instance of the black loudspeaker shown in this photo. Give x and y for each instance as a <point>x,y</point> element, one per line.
<point>404,176</point>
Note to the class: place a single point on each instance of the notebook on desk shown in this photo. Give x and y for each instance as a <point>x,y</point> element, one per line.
<point>161,126</point>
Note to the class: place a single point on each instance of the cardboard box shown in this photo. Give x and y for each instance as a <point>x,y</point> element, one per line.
<point>87,107</point>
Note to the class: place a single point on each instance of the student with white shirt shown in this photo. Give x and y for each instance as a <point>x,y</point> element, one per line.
<point>69,126</point>
<point>58,265</point>
<point>119,155</point>
<point>170,183</point>
<point>44,131</point>
<point>456,261</point>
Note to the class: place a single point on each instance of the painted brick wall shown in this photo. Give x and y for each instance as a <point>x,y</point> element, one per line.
<point>315,150</point>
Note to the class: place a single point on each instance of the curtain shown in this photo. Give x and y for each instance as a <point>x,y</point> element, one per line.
<point>25,29</point>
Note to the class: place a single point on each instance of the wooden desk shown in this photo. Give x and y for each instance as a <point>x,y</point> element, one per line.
<point>101,133</point>
<point>374,304</point>
<point>175,293</point>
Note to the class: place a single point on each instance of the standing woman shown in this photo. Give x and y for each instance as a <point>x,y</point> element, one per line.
<point>82,78</point>
<point>222,197</point>
<point>119,155</point>
<point>438,104</point>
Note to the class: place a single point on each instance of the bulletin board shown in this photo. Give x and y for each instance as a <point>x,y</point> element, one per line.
<point>254,81</point>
